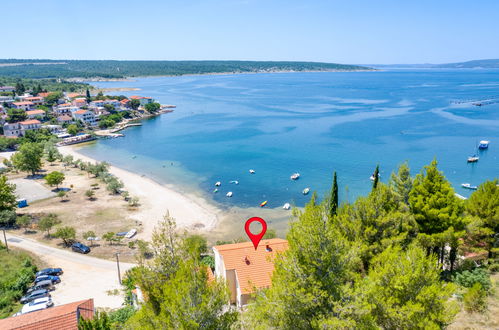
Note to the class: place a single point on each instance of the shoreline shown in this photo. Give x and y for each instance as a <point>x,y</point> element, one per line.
<point>191,213</point>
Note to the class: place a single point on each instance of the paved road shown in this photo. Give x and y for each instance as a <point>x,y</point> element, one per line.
<point>84,276</point>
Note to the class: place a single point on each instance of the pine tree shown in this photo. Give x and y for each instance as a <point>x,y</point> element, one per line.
<point>376,177</point>
<point>89,98</point>
<point>401,183</point>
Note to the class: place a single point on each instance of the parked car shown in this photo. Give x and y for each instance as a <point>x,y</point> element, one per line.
<point>37,304</point>
<point>49,271</point>
<point>54,279</point>
<point>80,248</point>
<point>35,295</point>
<point>47,285</point>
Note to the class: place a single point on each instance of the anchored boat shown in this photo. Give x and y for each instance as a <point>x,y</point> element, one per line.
<point>306,191</point>
<point>262,204</point>
<point>229,194</point>
<point>483,144</point>
<point>468,186</point>
<point>473,159</point>
<point>252,171</point>
<point>295,176</point>
<point>286,206</point>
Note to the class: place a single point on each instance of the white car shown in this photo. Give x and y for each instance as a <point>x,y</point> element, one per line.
<point>37,304</point>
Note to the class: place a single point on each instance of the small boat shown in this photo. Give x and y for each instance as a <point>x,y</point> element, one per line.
<point>215,191</point>
<point>468,186</point>
<point>234,182</point>
<point>295,176</point>
<point>286,206</point>
<point>372,177</point>
<point>473,159</point>
<point>218,183</point>
<point>252,171</point>
<point>306,191</point>
<point>229,194</point>
<point>131,233</point>
<point>262,204</point>
<point>483,144</point>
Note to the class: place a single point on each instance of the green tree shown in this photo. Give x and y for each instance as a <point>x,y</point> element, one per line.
<point>110,108</point>
<point>437,211</point>
<point>67,234</point>
<point>114,186</point>
<point>176,285</point>
<point>73,129</point>
<point>475,299</point>
<point>28,158</point>
<point>8,200</point>
<point>24,221</point>
<point>403,290</point>
<point>134,104</point>
<point>401,183</point>
<point>89,97</point>
<point>100,321</point>
<point>51,152</point>
<point>376,177</point>
<point>483,205</point>
<point>54,178</point>
<point>311,279</point>
<point>152,107</point>
<point>109,237</point>
<point>48,222</point>
<point>7,218</point>
<point>52,98</point>
<point>16,115</point>
<point>333,197</point>
<point>20,89</point>
<point>61,194</point>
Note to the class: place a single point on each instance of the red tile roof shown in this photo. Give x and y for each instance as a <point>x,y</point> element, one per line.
<point>30,122</point>
<point>23,103</point>
<point>81,112</point>
<point>254,268</point>
<point>44,94</point>
<point>35,112</point>
<point>64,317</point>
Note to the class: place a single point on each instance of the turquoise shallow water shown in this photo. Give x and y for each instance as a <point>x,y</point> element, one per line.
<point>312,123</point>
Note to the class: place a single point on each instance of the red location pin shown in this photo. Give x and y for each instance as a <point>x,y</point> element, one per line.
<point>255,238</point>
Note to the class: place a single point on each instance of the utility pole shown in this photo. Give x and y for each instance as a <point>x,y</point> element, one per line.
<point>5,239</point>
<point>118,264</point>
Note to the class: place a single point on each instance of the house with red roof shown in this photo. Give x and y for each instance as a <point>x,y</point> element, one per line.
<point>85,116</point>
<point>38,113</point>
<point>142,99</point>
<point>20,128</point>
<point>25,105</point>
<point>245,269</point>
<point>63,317</point>
<point>37,100</point>
<point>79,102</point>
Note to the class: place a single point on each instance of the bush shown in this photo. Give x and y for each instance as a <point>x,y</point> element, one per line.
<point>475,299</point>
<point>468,279</point>
<point>494,268</point>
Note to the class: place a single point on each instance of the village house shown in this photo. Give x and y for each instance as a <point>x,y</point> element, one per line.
<point>125,103</point>
<point>85,116</point>
<point>7,88</point>
<point>32,114</point>
<point>64,109</point>
<point>97,103</point>
<point>79,102</point>
<point>142,99</point>
<point>63,317</point>
<point>65,119</point>
<point>19,129</point>
<point>37,100</point>
<point>74,95</point>
<point>115,103</point>
<point>23,105</point>
<point>246,269</point>
<point>7,100</point>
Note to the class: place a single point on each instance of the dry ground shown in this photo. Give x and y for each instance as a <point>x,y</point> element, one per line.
<point>488,320</point>
<point>102,214</point>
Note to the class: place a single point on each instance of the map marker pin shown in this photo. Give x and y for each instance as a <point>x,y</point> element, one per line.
<point>255,238</point>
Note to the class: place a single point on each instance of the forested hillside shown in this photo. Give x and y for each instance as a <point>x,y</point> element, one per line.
<point>119,69</point>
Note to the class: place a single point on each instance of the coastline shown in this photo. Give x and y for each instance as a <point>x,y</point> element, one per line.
<point>191,213</point>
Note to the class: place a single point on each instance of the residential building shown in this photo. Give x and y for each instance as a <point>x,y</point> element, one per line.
<point>23,105</point>
<point>115,103</point>
<point>125,103</point>
<point>63,317</point>
<point>66,109</point>
<point>7,88</point>
<point>246,269</point>
<point>6,99</point>
<point>65,119</point>
<point>100,111</point>
<point>143,100</point>
<point>85,116</point>
<point>19,129</point>
<point>79,102</point>
<point>37,100</point>
<point>32,114</point>
<point>97,103</point>
<point>73,95</point>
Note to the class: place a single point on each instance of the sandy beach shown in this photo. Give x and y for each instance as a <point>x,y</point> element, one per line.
<point>190,212</point>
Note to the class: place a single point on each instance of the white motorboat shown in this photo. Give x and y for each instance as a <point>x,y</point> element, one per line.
<point>306,191</point>
<point>468,186</point>
<point>131,233</point>
<point>286,206</point>
<point>473,159</point>
<point>218,183</point>
<point>252,171</point>
<point>229,194</point>
<point>295,176</point>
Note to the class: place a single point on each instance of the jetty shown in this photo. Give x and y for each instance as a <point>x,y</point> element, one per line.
<point>76,139</point>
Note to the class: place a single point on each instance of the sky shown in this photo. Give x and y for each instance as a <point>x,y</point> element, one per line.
<point>348,31</point>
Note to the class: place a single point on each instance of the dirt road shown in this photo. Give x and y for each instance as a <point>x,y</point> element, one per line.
<point>84,276</point>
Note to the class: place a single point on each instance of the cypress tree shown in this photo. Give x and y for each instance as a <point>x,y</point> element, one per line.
<point>333,197</point>
<point>376,177</point>
<point>88,96</point>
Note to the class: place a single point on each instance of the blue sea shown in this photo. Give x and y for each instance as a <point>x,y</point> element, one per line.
<point>311,123</point>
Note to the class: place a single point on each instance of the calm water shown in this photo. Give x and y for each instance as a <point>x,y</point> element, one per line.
<point>312,123</point>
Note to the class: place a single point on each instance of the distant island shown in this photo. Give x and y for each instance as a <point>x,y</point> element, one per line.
<point>474,64</point>
<point>65,69</point>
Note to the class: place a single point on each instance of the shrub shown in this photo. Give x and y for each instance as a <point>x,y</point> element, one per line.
<point>468,279</point>
<point>475,299</point>
<point>494,268</point>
